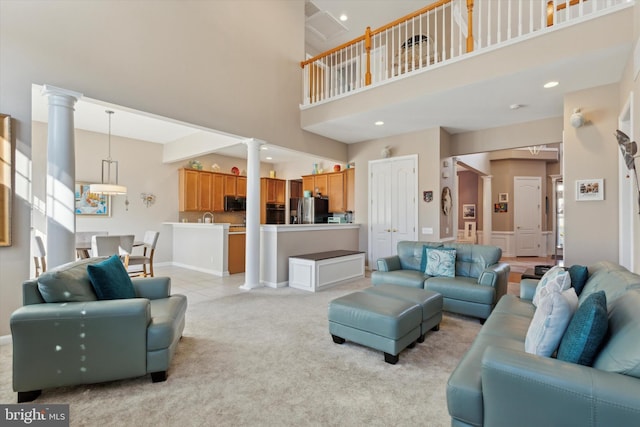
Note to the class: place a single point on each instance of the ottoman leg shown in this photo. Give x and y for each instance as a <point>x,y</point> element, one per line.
<point>337,339</point>
<point>413,344</point>
<point>422,337</point>
<point>436,328</point>
<point>390,358</point>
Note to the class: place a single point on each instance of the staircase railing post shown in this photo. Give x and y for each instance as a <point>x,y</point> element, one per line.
<point>470,26</point>
<point>367,47</point>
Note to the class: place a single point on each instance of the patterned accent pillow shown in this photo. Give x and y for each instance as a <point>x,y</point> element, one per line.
<point>557,279</point>
<point>441,262</point>
<point>549,322</point>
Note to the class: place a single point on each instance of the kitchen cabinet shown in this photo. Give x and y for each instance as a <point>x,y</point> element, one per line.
<point>272,190</point>
<point>295,188</point>
<point>200,191</point>
<point>337,186</point>
<point>241,186</point>
<point>236,260</point>
<point>188,184</point>
<point>230,185</point>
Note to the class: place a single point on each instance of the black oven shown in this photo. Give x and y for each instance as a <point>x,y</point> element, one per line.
<point>275,213</point>
<point>233,204</point>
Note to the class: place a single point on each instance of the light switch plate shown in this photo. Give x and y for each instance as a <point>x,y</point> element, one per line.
<point>427,230</point>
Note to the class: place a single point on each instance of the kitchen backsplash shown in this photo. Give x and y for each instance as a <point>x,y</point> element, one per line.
<point>230,217</point>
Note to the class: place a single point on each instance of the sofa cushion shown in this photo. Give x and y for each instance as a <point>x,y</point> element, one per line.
<point>557,279</point>
<point>621,352</point>
<point>67,283</point>
<point>461,288</point>
<point>549,322</point>
<point>441,262</point>
<point>579,275</point>
<point>110,279</point>
<point>471,260</point>
<point>412,278</point>
<point>586,331</point>
<point>410,254</point>
<point>611,278</point>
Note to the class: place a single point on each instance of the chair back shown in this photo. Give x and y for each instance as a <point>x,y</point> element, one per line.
<point>151,239</point>
<point>110,245</point>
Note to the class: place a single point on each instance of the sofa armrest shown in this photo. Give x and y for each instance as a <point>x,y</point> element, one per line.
<point>497,276</point>
<point>390,263</point>
<point>527,390</point>
<point>152,287</point>
<point>528,288</point>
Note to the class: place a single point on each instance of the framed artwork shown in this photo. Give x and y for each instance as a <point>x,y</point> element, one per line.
<point>91,203</point>
<point>500,207</point>
<point>6,174</point>
<point>427,196</point>
<point>469,211</point>
<point>503,197</point>
<point>589,189</point>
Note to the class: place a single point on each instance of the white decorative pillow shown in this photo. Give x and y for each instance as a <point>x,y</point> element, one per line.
<point>557,279</point>
<point>441,262</point>
<point>550,320</point>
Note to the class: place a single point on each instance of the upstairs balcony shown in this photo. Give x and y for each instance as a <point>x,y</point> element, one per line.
<point>451,32</point>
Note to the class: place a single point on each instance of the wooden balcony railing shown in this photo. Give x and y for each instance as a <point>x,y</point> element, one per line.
<point>437,33</point>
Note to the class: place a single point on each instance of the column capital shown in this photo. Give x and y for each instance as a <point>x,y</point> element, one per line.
<point>486,177</point>
<point>252,142</point>
<point>48,90</point>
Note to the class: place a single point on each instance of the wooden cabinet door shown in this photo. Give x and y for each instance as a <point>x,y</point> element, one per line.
<point>280,191</point>
<point>241,186</point>
<point>205,200</point>
<point>335,192</point>
<point>237,244</point>
<point>188,190</point>
<point>308,184</point>
<point>295,188</point>
<point>271,191</point>
<point>349,189</point>
<point>322,184</point>
<point>217,193</point>
<point>230,185</point>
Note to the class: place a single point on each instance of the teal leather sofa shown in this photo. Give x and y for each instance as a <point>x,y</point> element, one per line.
<point>82,340</point>
<point>497,383</point>
<point>480,278</point>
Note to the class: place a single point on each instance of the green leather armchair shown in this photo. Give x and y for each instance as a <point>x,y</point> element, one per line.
<point>90,341</point>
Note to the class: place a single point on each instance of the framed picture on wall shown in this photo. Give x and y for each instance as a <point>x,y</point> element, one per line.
<point>589,189</point>
<point>91,203</point>
<point>503,197</point>
<point>469,211</point>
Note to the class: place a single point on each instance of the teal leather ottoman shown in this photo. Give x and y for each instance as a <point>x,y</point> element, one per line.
<point>380,322</point>
<point>429,301</point>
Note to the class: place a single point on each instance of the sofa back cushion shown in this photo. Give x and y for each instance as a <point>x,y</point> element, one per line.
<point>621,351</point>
<point>472,259</point>
<point>611,278</point>
<point>68,283</point>
<point>410,254</point>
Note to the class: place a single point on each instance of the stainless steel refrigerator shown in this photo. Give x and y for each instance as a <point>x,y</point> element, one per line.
<point>311,210</point>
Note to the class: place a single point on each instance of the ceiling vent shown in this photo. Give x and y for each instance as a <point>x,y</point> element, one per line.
<point>325,25</point>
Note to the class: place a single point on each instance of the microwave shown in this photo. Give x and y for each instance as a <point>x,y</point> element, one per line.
<point>233,204</point>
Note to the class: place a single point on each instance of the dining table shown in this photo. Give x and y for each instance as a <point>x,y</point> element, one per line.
<point>83,247</point>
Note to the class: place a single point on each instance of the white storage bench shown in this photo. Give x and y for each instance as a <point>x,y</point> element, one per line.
<point>312,272</point>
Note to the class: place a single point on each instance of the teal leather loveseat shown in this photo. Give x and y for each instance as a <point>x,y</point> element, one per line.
<point>497,383</point>
<point>82,340</point>
<point>479,282</point>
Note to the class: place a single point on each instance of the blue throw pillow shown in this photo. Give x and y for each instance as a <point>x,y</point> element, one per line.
<point>441,262</point>
<point>110,280</point>
<point>586,331</point>
<point>579,275</point>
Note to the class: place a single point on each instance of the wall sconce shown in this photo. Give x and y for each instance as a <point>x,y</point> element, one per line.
<point>148,199</point>
<point>577,118</point>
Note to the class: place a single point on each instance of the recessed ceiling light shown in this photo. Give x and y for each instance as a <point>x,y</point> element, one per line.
<point>264,147</point>
<point>379,123</point>
<point>344,17</point>
<point>269,158</point>
<point>550,84</point>
<point>515,106</point>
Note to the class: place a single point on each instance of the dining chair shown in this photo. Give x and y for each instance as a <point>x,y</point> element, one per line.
<point>83,242</point>
<point>149,248</point>
<point>110,245</point>
<point>39,255</point>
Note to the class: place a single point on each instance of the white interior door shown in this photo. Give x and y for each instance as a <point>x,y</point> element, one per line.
<point>392,205</point>
<point>527,214</point>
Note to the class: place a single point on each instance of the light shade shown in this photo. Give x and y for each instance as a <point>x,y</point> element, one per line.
<point>110,189</point>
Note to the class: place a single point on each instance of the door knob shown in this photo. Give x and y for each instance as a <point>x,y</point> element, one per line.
<point>388,230</point>
<point>394,230</point>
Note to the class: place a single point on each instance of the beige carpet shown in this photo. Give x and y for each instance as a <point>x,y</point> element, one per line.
<point>265,357</point>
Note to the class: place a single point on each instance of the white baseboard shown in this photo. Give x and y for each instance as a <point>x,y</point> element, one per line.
<point>5,340</point>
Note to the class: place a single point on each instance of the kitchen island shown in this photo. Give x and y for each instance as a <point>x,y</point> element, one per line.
<point>205,247</point>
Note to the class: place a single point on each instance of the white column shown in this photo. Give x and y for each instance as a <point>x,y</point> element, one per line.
<point>252,251</point>
<point>487,210</point>
<point>61,176</point>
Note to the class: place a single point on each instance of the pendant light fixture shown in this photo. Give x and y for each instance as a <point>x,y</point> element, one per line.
<point>107,186</point>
